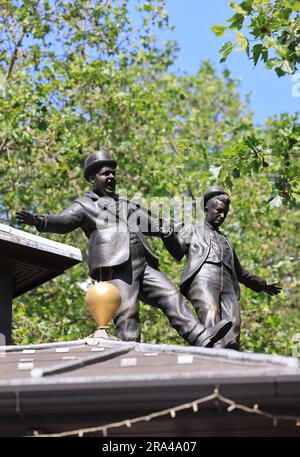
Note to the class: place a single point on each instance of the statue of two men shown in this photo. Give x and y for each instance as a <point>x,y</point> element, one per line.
<point>120,253</point>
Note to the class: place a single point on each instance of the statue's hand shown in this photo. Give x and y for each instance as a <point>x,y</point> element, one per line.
<point>273,289</point>
<point>24,217</point>
<point>161,226</point>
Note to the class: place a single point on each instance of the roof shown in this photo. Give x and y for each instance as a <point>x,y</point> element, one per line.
<point>33,259</point>
<point>70,385</point>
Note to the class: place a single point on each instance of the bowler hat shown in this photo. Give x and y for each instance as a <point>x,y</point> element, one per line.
<point>96,160</point>
<point>213,192</point>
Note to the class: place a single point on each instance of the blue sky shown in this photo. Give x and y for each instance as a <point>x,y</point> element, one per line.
<point>192,20</point>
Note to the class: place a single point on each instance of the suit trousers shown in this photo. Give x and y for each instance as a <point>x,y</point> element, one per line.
<point>137,280</point>
<point>212,294</point>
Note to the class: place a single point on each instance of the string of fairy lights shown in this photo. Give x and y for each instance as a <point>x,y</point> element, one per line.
<point>194,405</point>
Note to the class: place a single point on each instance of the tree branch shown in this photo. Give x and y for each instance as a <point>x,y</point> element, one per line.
<point>191,193</point>
<point>15,54</point>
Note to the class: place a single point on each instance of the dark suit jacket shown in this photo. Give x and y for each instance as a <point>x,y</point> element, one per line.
<point>195,243</point>
<point>108,231</point>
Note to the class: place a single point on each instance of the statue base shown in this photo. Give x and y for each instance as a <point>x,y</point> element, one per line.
<point>95,338</point>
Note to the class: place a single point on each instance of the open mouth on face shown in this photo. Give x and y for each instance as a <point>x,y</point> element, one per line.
<point>110,185</point>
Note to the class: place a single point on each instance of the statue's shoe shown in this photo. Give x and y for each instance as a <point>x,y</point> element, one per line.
<point>213,334</point>
<point>234,345</point>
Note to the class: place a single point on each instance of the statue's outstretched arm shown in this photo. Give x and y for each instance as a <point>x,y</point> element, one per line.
<point>68,220</point>
<point>254,282</point>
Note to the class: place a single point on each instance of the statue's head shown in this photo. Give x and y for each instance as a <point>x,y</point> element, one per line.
<point>100,170</point>
<point>216,205</point>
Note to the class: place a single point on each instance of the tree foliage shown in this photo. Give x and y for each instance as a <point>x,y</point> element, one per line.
<point>267,31</point>
<point>77,76</point>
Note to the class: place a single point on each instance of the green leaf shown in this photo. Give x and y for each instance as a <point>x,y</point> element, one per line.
<point>251,141</point>
<point>293,5</point>
<point>273,63</point>
<point>255,165</point>
<point>256,52</point>
<point>236,173</point>
<point>236,21</point>
<point>282,51</point>
<point>226,50</point>
<point>279,72</point>
<point>247,5</point>
<point>218,30</point>
<point>242,41</point>
<point>288,67</point>
<point>237,8</point>
<point>148,7</point>
<point>42,125</point>
<point>264,54</point>
<point>228,182</point>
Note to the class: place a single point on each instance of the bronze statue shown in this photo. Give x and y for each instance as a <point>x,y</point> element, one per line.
<point>213,272</point>
<point>120,253</point>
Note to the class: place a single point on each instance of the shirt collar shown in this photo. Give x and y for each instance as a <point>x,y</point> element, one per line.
<point>94,196</point>
<point>209,226</point>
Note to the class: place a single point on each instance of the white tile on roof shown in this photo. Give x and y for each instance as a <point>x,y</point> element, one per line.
<point>128,362</point>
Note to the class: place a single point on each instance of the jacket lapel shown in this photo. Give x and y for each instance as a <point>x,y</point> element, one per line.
<point>204,233</point>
